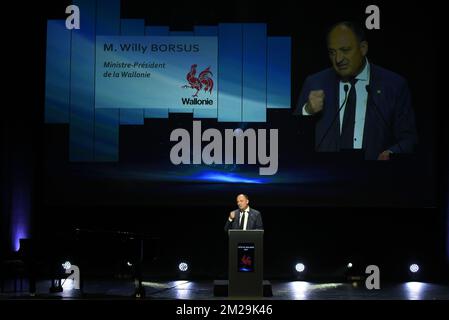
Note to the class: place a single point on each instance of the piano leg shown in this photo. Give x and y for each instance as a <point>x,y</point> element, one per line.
<point>140,290</point>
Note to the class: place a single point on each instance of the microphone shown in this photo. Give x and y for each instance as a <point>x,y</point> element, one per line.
<point>389,128</point>
<point>346,88</point>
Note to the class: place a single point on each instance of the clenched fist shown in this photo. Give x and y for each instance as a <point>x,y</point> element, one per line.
<point>315,102</point>
<point>232,215</point>
<point>384,155</point>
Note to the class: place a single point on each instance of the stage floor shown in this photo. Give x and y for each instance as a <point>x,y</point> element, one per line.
<point>204,290</point>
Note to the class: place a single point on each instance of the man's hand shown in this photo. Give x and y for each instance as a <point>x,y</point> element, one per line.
<point>384,155</point>
<point>315,102</point>
<point>232,215</point>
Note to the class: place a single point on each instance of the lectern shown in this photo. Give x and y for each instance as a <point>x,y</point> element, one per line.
<point>245,263</point>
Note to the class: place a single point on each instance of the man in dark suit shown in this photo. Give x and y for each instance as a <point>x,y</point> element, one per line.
<point>244,218</point>
<point>357,105</point>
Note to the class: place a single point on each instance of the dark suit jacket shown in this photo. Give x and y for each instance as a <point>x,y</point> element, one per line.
<point>254,221</point>
<point>393,129</point>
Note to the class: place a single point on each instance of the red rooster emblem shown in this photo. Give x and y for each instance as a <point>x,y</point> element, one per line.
<point>246,260</point>
<point>203,81</point>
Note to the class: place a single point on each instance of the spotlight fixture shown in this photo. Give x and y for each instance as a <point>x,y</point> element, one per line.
<point>414,268</point>
<point>300,267</point>
<point>183,267</point>
<point>66,265</point>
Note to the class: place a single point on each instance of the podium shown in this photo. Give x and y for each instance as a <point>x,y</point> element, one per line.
<point>245,263</point>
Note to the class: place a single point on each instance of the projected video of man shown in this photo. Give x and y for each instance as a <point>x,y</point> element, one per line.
<point>136,107</point>
<point>359,105</point>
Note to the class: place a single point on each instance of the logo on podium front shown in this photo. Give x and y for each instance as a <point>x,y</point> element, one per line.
<point>245,257</point>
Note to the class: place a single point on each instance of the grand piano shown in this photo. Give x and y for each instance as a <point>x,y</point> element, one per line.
<point>98,253</point>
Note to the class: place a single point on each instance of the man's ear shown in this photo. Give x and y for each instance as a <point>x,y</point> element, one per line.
<point>364,48</point>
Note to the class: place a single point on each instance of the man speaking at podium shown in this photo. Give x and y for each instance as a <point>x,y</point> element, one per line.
<point>357,105</point>
<point>244,217</point>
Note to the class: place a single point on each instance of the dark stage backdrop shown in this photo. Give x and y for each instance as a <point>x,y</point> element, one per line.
<point>323,209</point>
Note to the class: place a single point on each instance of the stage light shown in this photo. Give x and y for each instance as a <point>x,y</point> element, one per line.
<point>66,265</point>
<point>129,264</point>
<point>414,268</point>
<point>349,265</point>
<point>183,267</point>
<point>299,267</point>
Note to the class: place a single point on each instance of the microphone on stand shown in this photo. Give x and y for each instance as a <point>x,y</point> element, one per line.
<point>346,88</point>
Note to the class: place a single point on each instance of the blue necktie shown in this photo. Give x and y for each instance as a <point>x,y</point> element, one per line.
<point>347,131</point>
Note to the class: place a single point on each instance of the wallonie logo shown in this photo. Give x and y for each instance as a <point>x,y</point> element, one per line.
<point>201,82</point>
